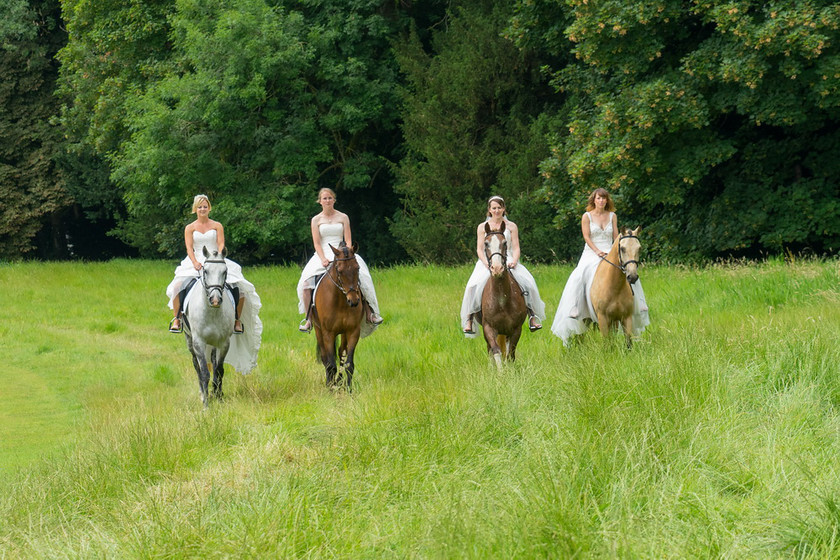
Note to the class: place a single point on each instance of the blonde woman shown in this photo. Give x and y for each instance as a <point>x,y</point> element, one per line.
<point>201,233</point>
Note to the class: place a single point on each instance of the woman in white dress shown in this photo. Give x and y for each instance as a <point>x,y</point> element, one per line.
<point>331,227</point>
<point>599,226</point>
<point>471,304</point>
<point>204,232</point>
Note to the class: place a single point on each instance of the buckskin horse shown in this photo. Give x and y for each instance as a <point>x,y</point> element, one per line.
<point>503,309</point>
<point>338,311</point>
<point>208,323</point>
<point>612,285</point>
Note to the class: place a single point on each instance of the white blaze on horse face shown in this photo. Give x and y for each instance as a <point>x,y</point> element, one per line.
<point>493,248</point>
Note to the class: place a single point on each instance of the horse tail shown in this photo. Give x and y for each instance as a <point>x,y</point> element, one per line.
<point>502,341</point>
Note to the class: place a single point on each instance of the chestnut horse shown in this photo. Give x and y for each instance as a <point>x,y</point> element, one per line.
<point>338,311</point>
<point>612,285</point>
<point>503,308</point>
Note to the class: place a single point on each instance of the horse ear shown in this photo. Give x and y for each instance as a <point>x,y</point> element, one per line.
<point>355,247</point>
<point>206,252</point>
<point>636,231</point>
<point>224,252</point>
<point>486,227</point>
<point>622,230</point>
<point>502,227</point>
<point>335,251</point>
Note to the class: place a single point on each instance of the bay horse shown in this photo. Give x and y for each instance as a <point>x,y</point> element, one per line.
<point>503,309</point>
<point>338,310</point>
<point>612,286</point>
<point>208,323</point>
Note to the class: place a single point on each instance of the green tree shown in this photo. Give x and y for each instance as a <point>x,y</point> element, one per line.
<point>471,124</point>
<point>32,192</point>
<point>714,123</point>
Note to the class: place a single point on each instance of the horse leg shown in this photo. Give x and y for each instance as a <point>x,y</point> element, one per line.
<point>200,363</point>
<point>327,347</point>
<point>219,370</point>
<point>490,336</point>
<point>627,325</point>
<point>342,359</point>
<point>514,340</point>
<point>604,324</point>
<point>349,364</point>
<point>502,341</point>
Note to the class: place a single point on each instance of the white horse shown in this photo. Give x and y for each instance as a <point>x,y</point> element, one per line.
<point>208,323</point>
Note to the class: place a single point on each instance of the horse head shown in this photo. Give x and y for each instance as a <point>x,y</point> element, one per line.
<point>628,253</point>
<point>346,273</point>
<point>214,275</point>
<point>495,249</point>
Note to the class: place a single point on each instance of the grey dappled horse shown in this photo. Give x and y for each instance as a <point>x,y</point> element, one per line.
<point>208,324</point>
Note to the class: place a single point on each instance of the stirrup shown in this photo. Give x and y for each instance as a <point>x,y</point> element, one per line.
<point>471,329</point>
<point>180,328</point>
<point>376,319</point>
<point>305,326</point>
<point>241,328</point>
<point>531,326</point>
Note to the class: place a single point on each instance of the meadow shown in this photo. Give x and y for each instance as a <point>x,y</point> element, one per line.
<point>716,436</point>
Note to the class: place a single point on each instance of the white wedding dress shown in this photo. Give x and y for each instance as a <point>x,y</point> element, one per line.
<point>333,234</point>
<point>575,307</point>
<point>471,303</point>
<point>243,347</point>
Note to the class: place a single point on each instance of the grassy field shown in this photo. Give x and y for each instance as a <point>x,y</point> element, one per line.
<point>716,436</point>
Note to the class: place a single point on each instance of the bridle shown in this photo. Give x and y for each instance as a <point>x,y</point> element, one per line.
<point>622,264</point>
<point>338,283</point>
<point>502,255</point>
<point>208,288</point>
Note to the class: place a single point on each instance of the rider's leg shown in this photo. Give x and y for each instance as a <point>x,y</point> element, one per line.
<point>306,324</point>
<point>175,323</point>
<point>534,321</point>
<point>237,324</point>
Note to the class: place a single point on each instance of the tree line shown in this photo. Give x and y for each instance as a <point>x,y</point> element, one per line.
<point>714,123</point>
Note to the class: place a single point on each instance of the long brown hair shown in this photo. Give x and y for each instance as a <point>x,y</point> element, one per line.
<point>590,203</point>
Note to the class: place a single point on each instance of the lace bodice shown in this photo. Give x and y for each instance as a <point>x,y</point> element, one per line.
<point>331,234</point>
<point>602,238</point>
<point>201,240</point>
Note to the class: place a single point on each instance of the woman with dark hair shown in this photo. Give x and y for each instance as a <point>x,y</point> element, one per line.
<point>471,304</point>
<point>599,227</point>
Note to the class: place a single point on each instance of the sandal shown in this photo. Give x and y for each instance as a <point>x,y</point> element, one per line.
<point>375,319</point>
<point>533,324</point>
<point>241,327</point>
<point>469,329</point>
<point>305,326</point>
<point>173,328</point>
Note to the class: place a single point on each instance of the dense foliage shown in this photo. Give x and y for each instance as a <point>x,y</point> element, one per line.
<point>714,123</point>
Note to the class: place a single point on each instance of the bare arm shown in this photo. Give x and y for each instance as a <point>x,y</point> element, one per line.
<point>220,237</point>
<point>316,240</point>
<point>514,244</point>
<point>348,236</point>
<point>479,247</point>
<point>188,242</point>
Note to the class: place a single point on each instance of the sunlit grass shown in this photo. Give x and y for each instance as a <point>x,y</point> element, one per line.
<point>716,435</point>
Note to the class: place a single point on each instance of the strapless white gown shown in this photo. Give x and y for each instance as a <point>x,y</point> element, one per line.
<point>333,234</point>
<point>575,305</point>
<point>478,279</point>
<point>243,347</point>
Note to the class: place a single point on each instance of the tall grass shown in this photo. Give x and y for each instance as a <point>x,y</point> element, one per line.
<point>716,436</point>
